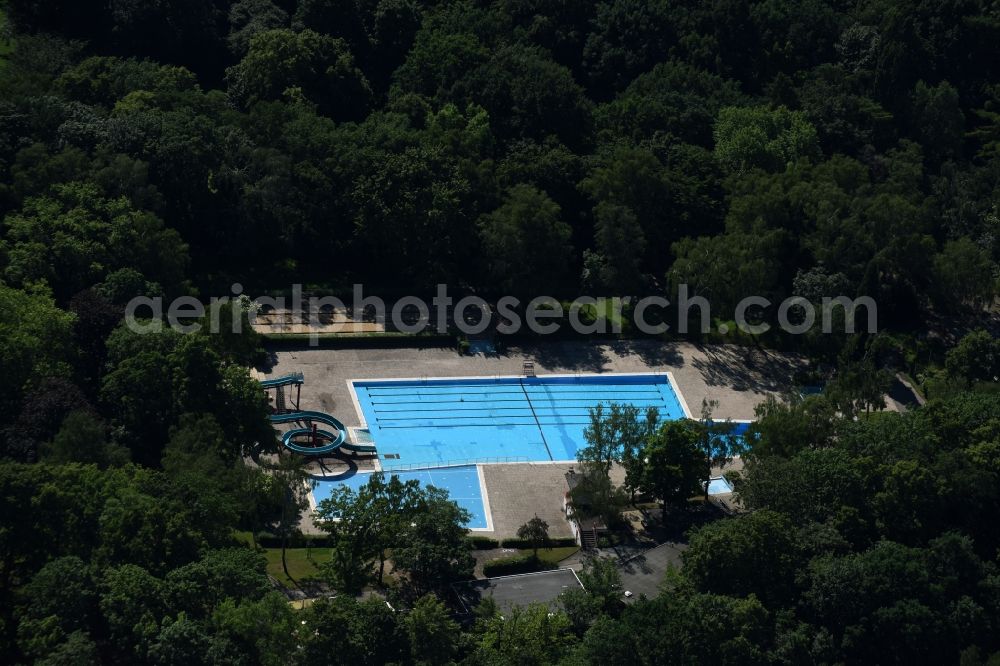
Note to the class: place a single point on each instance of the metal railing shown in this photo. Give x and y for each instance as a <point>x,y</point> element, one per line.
<point>399,467</point>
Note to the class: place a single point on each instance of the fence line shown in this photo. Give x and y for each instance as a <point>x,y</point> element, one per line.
<point>398,467</point>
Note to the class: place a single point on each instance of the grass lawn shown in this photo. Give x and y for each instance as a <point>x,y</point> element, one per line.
<point>299,564</point>
<point>605,309</point>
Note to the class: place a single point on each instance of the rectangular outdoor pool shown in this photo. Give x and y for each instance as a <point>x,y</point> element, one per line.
<point>435,422</point>
<point>462,483</point>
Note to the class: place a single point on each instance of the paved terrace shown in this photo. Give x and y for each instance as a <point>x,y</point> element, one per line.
<point>738,378</point>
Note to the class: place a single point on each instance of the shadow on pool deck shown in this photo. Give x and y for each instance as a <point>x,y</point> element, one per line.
<point>652,352</point>
<point>568,355</point>
<point>744,368</point>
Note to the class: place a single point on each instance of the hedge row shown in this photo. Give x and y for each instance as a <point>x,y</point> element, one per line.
<point>483,543</point>
<point>516,565</point>
<point>268,540</point>
<point>487,543</point>
<point>549,543</point>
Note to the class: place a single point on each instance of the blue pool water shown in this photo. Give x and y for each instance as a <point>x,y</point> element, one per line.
<point>462,484</point>
<point>440,421</point>
<point>719,486</point>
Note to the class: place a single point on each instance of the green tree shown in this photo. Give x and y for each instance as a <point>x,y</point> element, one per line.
<point>758,137</point>
<point>674,467</point>
<point>74,237</point>
<point>602,580</point>
<point>78,648</point>
<point>625,40</point>
<point>667,199</point>
<point>937,119</point>
<point>823,485</point>
<point>420,187</point>
<point>291,486</point>
<point>361,632</point>
<point>234,574</point>
<point>59,600</point>
<point>594,495</point>
<point>718,442</point>
<point>250,17</point>
<point>433,549</point>
<point>615,435</point>
<point>728,267</point>
<point>535,532</point>
<point>528,96</point>
<point>83,438</point>
<point>302,66</point>
<point>35,341</point>
<point>263,629</point>
<point>673,99</point>
<point>752,554</point>
<point>859,384</point>
<point>154,378</point>
<point>181,641</point>
<point>526,241</point>
<point>674,627</point>
<point>133,604</point>
<point>130,518</point>
<point>104,80</point>
<point>531,635</point>
<point>782,428</point>
<point>366,524</point>
<point>870,600</point>
<point>975,357</point>
<point>433,636</point>
<point>962,272</point>
<point>620,246</point>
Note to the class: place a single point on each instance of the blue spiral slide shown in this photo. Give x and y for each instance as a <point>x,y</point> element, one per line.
<point>336,438</point>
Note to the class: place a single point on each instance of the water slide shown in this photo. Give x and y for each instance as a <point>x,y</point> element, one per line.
<point>336,437</point>
<point>284,380</point>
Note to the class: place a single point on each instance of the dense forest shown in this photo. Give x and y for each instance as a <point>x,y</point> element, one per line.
<point>784,147</point>
<point>769,147</point>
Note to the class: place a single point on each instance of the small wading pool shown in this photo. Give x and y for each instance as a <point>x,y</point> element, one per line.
<point>462,483</point>
<point>718,485</point>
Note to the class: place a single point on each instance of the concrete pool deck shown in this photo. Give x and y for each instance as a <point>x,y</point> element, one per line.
<point>736,377</point>
<point>739,378</point>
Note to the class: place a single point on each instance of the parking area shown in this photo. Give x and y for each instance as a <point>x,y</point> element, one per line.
<point>521,590</point>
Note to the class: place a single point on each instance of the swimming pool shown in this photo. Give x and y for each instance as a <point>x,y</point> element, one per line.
<point>432,422</point>
<point>719,485</point>
<point>464,485</point>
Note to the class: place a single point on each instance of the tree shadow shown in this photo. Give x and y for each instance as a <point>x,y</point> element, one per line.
<point>746,368</point>
<point>652,352</point>
<point>636,565</point>
<point>331,471</point>
<point>568,355</point>
<point>903,394</point>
